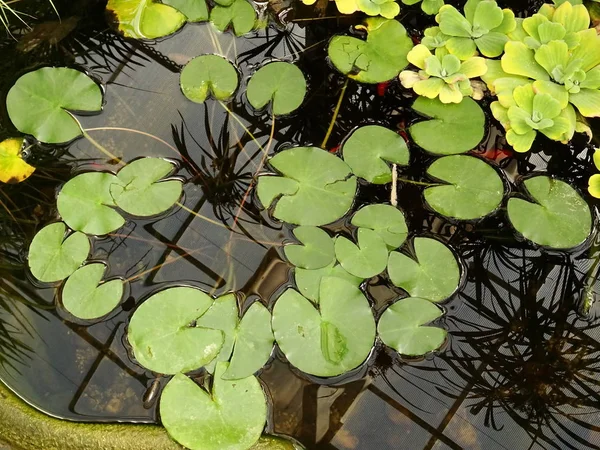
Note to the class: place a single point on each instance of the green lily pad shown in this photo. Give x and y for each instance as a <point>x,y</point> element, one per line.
<point>386,220</point>
<point>380,58</point>
<point>83,297</point>
<point>230,416</point>
<point>207,74</point>
<point>401,327</point>
<point>316,252</point>
<point>325,341</point>
<point>475,189</point>
<point>163,334</point>
<point>86,205</point>
<point>143,19</point>
<point>434,274</point>
<point>239,14</point>
<point>453,128</point>
<point>194,10</point>
<point>370,148</point>
<point>366,259</point>
<point>52,257</point>
<point>309,281</point>
<point>140,189</point>
<point>40,102</point>
<point>279,82</point>
<point>559,218</point>
<point>315,187</point>
<point>13,169</point>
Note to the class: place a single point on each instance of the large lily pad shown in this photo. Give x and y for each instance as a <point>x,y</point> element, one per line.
<point>380,58</point>
<point>434,274</point>
<point>86,204</point>
<point>474,188</point>
<point>54,258</point>
<point>141,190</point>
<point>559,218</point>
<point>239,14</point>
<point>325,341</point>
<point>40,101</point>
<point>163,334</point>
<point>208,74</point>
<point>231,416</point>
<point>315,187</point>
<point>386,220</point>
<point>278,82</point>
<point>316,251</point>
<point>309,281</point>
<point>402,327</point>
<point>83,297</point>
<point>370,148</point>
<point>366,259</point>
<point>144,19</point>
<point>453,128</point>
<point>13,169</point>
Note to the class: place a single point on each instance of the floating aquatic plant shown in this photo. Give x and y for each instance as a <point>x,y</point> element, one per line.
<point>428,6</point>
<point>13,169</point>
<point>386,8</point>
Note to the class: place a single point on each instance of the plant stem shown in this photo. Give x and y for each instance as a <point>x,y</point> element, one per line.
<point>394,195</point>
<point>335,114</point>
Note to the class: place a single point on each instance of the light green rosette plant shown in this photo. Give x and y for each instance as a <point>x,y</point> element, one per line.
<point>443,75</point>
<point>386,8</point>
<point>483,28</point>
<point>428,6</point>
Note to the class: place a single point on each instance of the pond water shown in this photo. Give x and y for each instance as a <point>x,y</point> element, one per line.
<point>521,366</point>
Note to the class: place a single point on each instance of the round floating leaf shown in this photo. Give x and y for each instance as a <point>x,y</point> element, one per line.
<point>207,74</point>
<point>401,327</point>
<point>434,275</point>
<point>386,220</point>
<point>54,258</point>
<point>139,190</point>
<point>194,10</point>
<point>85,203</point>
<point>316,252</point>
<point>332,340</point>
<point>366,259</point>
<point>12,167</point>
<point>144,19</point>
<point>559,218</point>
<point>475,189</point>
<point>40,101</point>
<point>232,416</point>
<point>369,149</point>
<point>82,296</point>
<point>240,14</point>
<point>253,343</point>
<point>315,189</point>
<point>380,58</point>
<point>163,336</point>
<point>453,128</point>
<point>309,281</point>
<point>278,82</point>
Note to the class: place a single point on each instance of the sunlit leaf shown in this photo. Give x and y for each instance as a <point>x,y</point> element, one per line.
<point>309,281</point>
<point>209,74</point>
<point>278,82</point>
<point>144,19</point>
<point>386,220</point>
<point>12,167</point>
<point>194,10</point>
<point>316,251</point>
<point>365,259</point>
<point>239,14</point>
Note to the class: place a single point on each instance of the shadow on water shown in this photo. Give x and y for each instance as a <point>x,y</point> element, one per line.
<point>520,369</point>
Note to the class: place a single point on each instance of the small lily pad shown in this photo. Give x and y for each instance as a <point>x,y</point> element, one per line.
<point>366,259</point>
<point>325,341</point>
<point>402,327</point>
<point>54,258</point>
<point>434,274</point>
<point>83,297</point>
<point>163,334</point>
<point>559,218</point>
<point>194,10</point>
<point>453,128</point>
<point>232,415</point>
<point>386,220</point>
<point>141,190</point>
<point>316,252</point>
<point>208,74</point>
<point>239,14</point>
<point>309,281</point>
<point>315,187</point>
<point>144,19</point>
<point>40,102</point>
<point>369,149</point>
<point>279,82</point>
<point>475,189</point>
<point>12,167</point>
<point>86,205</point>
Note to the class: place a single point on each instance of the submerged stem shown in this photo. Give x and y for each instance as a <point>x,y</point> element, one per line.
<point>335,114</point>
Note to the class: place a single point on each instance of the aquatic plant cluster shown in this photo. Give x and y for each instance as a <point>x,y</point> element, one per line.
<point>544,71</point>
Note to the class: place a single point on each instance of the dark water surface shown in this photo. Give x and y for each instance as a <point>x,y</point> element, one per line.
<point>521,368</point>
